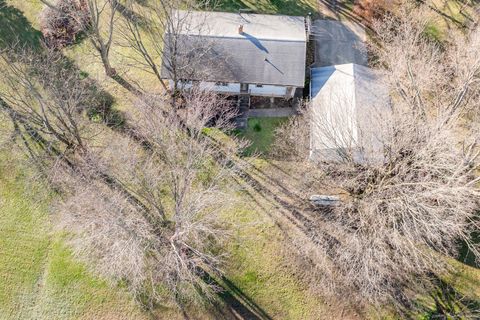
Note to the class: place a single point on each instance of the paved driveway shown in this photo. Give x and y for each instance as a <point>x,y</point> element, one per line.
<point>338,43</point>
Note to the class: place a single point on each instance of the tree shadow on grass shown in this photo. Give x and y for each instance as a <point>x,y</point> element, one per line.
<point>131,15</point>
<point>243,305</point>
<point>15,28</point>
<point>17,33</point>
<point>444,302</point>
<point>288,7</point>
<point>235,304</point>
<point>447,14</point>
<point>466,256</point>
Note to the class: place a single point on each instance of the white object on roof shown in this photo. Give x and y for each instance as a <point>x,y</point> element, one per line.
<point>348,113</point>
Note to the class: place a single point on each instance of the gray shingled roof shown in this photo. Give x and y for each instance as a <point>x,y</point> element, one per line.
<point>259,55</point>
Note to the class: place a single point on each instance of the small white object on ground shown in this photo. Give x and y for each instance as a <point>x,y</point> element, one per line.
<point>324,200</point>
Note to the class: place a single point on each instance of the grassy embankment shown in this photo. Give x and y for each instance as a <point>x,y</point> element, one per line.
<point>39,278</point>
<point>43,280</point>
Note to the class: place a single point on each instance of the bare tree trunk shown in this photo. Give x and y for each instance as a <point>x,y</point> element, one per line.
<point>167,47</point>
<point>103,43</point>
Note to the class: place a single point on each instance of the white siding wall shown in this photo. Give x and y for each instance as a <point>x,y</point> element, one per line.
<point>234,88</point>
<point>267,90</point>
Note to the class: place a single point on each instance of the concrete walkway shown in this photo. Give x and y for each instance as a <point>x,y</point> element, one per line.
<point>271,112</point>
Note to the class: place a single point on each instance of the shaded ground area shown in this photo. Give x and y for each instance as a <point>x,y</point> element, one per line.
<point>237,305</point>
<point>15,28</point>
<point>271,112</point>
<point>290,7</point>
<point>336,43</point>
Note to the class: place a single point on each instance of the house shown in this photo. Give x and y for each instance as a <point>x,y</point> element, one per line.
<point>350,113</point>
<point>236,53</point>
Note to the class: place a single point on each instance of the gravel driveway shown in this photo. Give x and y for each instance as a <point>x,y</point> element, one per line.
<point>338,43</point>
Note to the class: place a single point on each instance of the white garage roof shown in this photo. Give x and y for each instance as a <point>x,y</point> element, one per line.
<point>348,105</point>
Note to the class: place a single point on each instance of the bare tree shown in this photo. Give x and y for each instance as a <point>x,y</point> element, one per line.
<point>169,43</point>
<point>99,26</point>
<point>413,201</point>
<point>100,36</point>
<point>292,139</point>
<point>46,101</point>
<point>168,248</point>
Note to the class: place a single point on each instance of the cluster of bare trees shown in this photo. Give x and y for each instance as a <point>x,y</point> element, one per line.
<point>159,227</point>
<point>144,206</point>
<point>154,31</point>
<point>419,197</point>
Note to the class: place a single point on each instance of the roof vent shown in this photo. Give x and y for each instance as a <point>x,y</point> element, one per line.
<point>240,29</point>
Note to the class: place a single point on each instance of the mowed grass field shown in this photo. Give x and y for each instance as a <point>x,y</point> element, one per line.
<point>261,133</point>
<point>39,277</point>
<point>46,282</point>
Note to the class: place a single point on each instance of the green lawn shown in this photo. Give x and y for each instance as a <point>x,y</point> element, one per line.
<point>260,132</point>
<point>24,242</point>
<point>39,278</point>
<point>259,270</point>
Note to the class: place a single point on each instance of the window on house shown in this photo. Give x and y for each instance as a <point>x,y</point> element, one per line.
<point>259,85</point>
<point>223,84</point>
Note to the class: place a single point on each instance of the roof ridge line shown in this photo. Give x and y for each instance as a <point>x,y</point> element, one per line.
<point>241,38</point>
